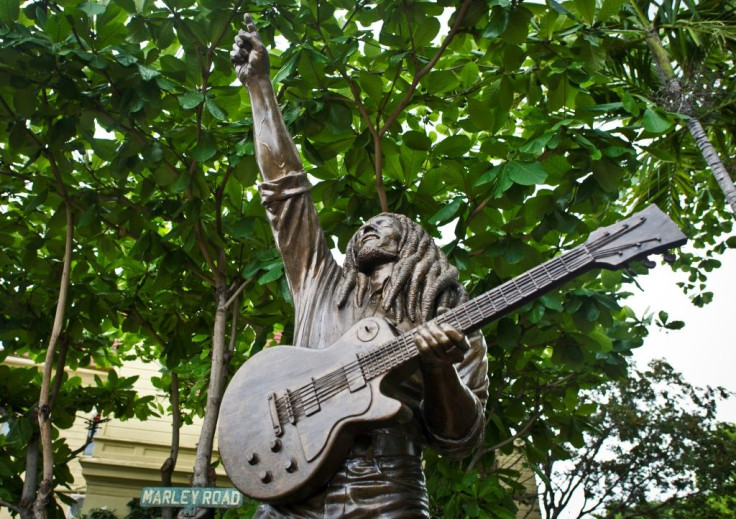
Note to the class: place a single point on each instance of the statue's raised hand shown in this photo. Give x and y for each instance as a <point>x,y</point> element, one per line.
<point>249,55</point>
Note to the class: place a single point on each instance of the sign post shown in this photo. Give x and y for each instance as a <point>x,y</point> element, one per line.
<point>191,498</point>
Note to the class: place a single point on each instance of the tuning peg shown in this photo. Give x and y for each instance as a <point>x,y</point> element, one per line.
<point>649,263</point>
<point>668,257</point>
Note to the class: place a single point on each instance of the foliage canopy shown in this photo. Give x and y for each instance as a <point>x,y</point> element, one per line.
<point>509,129</point>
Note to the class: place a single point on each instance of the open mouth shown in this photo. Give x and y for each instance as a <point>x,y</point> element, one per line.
<point>368,236</point>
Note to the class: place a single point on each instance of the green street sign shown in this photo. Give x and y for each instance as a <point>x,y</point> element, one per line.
<point>190,497</point>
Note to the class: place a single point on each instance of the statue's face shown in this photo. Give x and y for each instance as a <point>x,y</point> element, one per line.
<point>377,242</point>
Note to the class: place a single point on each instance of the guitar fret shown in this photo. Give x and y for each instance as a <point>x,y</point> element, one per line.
<point>516,285</point>
<point>533,280</point>
<point>467,313</point>
<point>456,318</point>
<point>395,354</point>
<point>406,340</point>
<point>374,363</point>
<point>543,267</point>
<point>522,284</point>
<point>409,348</point>
<point>562,262</point>
<point>511,296</point>
<point>558,268</point>
<point>478,309</point>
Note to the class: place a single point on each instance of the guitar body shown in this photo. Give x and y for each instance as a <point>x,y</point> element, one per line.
<point>273,458</point>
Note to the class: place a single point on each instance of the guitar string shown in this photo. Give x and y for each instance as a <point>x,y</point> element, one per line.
<point>381,358</point>
<point>338,380</point>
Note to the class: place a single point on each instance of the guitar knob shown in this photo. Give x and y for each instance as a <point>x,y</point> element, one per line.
<point>265,476</point>
<point>252,458</point>
<point>290,465</point>
<point>275,445</point>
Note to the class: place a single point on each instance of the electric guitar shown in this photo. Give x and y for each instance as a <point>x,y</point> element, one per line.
<point>289,415</point>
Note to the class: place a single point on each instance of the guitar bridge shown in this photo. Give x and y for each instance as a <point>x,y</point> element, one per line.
<point>274,412</point>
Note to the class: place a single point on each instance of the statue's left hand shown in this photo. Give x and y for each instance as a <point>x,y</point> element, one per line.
<point>440,343</point>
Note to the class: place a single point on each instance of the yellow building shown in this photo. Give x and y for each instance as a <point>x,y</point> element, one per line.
<point>128,456</point>
<point>125,456</point>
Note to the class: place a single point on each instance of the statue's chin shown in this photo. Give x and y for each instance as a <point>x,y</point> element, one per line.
<point>369,258</point>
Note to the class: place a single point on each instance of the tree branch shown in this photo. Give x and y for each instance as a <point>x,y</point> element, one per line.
<point>482,452</point>
<point>10,506</point>
<point>168,467</point>
<point>237,292</point>
<point>427,68</point>
<point>44,402</point>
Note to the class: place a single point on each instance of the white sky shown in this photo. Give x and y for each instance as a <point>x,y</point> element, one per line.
<point>703,351</point>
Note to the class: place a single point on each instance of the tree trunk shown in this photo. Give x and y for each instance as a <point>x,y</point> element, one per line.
<point>711,157</point>
<point>218,374</point>
<point>681,104</point>
<point>45,399</point>
<point>29,483</point>
<point>167,469</point>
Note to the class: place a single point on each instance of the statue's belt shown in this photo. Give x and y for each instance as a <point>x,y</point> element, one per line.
<point>382,445</point>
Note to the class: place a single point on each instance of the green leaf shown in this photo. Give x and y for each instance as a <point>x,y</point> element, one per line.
<point>481,114</point>
<point>447,212</point>
<point>655,122</point>
<point>497,25</point>
<point>417,140</point>
<point>526,173</point>
<point>453,146</point>
<point>586,8</point>
<point>147,73</point>
<point>488,176</point>
<point>557,7</point>
<point>191,99</point>
<point>469,74</point>
<point>92,8</point>
<point>609,8</point>
<point>425,31</point>
<point>9,10</point>
<point>518,26</point>
<point>371,84</point>
<point>287,68</point>
<point>217,112</point>
<point>205,149</point>
<point>275,272</point>
<point>630,104</point>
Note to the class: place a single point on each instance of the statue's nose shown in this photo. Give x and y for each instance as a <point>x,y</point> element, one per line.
<point>366,229</point>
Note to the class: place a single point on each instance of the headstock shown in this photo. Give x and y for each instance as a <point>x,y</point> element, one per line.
<point>649,231</point>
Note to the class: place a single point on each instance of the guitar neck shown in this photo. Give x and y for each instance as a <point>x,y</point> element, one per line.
<point>486,308</point>
<point>499,301</point>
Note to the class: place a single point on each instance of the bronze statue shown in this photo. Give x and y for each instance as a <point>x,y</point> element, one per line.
<point>393,271</point>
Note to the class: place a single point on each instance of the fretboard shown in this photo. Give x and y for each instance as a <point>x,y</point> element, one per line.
<point>482,310</point>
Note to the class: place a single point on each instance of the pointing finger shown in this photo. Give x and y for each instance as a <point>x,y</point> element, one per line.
<point>249,23</point>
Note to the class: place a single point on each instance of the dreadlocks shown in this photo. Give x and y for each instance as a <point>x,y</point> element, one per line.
<point>422,279</point>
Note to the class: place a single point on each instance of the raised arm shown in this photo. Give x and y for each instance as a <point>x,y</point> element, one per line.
<point>275,150</point>
<point>285,192</point>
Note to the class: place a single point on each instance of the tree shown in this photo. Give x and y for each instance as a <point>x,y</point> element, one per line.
<point>675,73</point>
<point>500,125</point>
<point>653,448</point>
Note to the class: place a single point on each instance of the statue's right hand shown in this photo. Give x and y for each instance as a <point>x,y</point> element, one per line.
<point>249,56</point>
